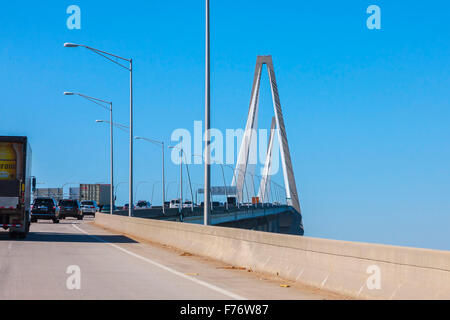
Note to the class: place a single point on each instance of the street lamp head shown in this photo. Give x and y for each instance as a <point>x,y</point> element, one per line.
<point>99,121</point>
<point>68,93</point>
<point>71,45</point>
<point>138,138</point>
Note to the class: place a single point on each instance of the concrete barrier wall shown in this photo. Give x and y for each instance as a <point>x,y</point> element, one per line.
<point>349,268</point>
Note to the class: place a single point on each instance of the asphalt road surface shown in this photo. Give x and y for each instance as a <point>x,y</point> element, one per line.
<point>78,260</point>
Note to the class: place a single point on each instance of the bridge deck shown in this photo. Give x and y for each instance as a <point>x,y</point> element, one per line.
<point>117,267</point>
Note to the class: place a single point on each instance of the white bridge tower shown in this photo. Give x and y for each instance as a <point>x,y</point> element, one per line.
<point>249,136</point>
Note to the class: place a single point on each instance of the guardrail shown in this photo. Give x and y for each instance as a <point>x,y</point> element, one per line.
<point>174,214</point>
<point>360,270</point>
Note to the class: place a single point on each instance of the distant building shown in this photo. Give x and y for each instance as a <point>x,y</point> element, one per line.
<point>56,193</point>
<point>74,193</point>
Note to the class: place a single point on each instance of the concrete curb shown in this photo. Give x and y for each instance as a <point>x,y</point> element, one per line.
<point>349,268</point>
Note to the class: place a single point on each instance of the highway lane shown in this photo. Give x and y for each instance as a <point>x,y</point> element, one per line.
<point>113,266</point>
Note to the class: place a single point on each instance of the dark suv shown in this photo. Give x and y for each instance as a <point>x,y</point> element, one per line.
<point>45,208</point>
<point>70,208</point>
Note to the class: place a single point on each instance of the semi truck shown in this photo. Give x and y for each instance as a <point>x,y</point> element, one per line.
<point>15,185</point>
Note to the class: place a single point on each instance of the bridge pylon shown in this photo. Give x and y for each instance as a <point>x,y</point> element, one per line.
<point>249,136</point>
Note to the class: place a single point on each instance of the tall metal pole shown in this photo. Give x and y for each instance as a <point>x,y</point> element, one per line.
<point>163,182</point>
<point>108,56</point>
<point>101,103</point>
<point>130,205</point>
<point>207,204</point>
<point>180,207</point>
<point>112,161</point>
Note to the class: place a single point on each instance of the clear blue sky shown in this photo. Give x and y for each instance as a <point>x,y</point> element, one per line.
<point>367,111</point>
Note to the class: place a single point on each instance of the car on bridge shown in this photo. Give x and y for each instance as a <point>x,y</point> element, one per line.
<point>70,208</point>
<point>214,204</point>
<point>107,208</point>
<point>89,207</point>
<point>46,209</point>
<point>174,203</point>
<point>142,204</point>
<point>187,204</point>
<point>127,206</point>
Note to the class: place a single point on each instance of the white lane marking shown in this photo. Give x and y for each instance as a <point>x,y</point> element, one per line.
<point>182,275</point>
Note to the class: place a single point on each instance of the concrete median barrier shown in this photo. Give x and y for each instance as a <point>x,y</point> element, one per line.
<point>359,270</point>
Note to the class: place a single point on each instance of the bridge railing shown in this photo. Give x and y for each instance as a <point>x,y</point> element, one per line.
<point>174,213</point>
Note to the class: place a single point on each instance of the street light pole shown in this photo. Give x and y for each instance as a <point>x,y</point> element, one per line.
<point>163,183</point>
<point>130,207</point>
<point>180,207</point>
<point>181,178</point>
<point>207,205</point>
<point>111,209</point>
<point>110,57</point>
<point>102,103</point>
<point>163,174</point>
